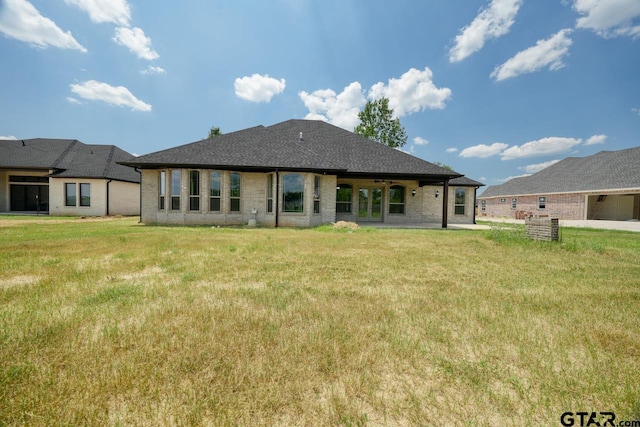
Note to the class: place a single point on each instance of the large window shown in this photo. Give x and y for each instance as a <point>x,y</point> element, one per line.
<point>316,194</point>
<point>270,193</point>
<point>194,190</point>
<point>85,194</point>
<point>175,190</point>
<point>215,191</point>
<point>293,193</point>
<point>483,205</point>
<point>460,201</point>
<point>70,194</point>
<point>344,193</point>
<point>234,192</point>
<point>396,199</point>
<point>162,189</point>
<point>514,203</point>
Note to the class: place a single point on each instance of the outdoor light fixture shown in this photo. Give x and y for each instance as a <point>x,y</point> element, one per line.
<point>437,193</point>
<point>337,187</point>
<point>413,193</point>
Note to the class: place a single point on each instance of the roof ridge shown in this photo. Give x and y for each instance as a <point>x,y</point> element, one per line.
<point>107,166</point>
<point>64,153</point>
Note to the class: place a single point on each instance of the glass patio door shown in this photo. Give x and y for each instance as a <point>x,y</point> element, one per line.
<point>370,204</point>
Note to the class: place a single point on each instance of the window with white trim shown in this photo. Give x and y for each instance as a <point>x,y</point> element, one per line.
<point>215,191</point>
<point>459,201</point>
<point>234,192</point>
<point>194,190</point>
<point>162,189</point>
<point>175,189</point>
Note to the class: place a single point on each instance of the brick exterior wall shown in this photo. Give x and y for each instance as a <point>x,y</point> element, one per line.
<point>618,205</point>
<point>423,207</point>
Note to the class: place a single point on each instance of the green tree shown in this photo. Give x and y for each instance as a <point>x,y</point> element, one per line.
<point>214,131</point>
<point>377,123</point>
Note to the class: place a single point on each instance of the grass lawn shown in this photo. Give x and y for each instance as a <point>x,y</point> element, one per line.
<point>114,323</point>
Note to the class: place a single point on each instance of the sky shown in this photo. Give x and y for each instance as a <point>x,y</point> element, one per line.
<point>493,88</point>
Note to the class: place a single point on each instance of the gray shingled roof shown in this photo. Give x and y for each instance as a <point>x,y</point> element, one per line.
<point>323,148</point>
<point>67,158</point>
<point>606,170</point>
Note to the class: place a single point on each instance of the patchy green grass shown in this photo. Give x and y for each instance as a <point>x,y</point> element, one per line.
<point>116,323</point>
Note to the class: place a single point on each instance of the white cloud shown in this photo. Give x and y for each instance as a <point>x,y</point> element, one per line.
<point>115,11</point>
<point>414,91</point>
<point>609,17</point>
<point>153,70</point>
<point>636,110</point>
<point>136,41</point>
<point>541,147</point>
<point>339,109</point>
<point>20,20</point>
<point>549,52</point>
<point>258,88</point>
<point>418,140</point>
<point>492,22</point>
<point>451,150</point>
<point>9,137</point>
<point>113,95</point>
<point>596,139</point>
<point>483,151</point>
<point>538,166</point>
<point>72,100</point>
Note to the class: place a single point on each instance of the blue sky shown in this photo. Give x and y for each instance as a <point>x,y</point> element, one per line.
<point>493,88</point>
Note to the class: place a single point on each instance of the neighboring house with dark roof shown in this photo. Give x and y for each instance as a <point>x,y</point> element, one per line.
<point>66,177</point>
<point>298,173</point>
<point>604,186</point>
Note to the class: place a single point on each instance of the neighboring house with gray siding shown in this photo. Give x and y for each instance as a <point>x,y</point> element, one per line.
<point>298,173</point>
<point>603,186</point>
<point>66,177</point>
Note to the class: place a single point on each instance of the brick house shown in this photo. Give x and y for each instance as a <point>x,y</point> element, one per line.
<point>604,186</point>
<point>66,177</point>
<point>298,173</point>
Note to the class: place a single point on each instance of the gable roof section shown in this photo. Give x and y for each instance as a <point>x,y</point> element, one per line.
<point>305,145</point>
<point>67,158</point>
<point>606,170</point>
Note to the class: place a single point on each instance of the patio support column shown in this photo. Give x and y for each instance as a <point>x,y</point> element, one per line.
<point>445,202</point>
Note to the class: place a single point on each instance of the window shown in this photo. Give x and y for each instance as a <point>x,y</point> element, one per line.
<point>194,190</point>
<point>70,194</point>
<point>85,194</point>
<point>175,190</point>
<point>396,199</point>
<point>316,194</point>
<point>483,205</point>
<point>514,203</point>
<point>503,200</point>
<point>542,202</point>
<point>162,189</point>
<point>215,191</point>
<point>270,193</point>
<point>344,194</point>
<point>293,193</point>
<point>460,201</point>
<point>234,192</point>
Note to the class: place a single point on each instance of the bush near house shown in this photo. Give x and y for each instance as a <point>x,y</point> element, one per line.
<point>116,323</point>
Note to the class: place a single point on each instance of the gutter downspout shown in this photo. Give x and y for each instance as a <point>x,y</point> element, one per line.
<point>445,202</point>
<point>107,210</point>
<point>277,195</point>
